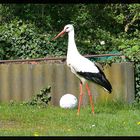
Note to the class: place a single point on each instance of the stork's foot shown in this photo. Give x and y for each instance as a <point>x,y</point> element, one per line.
<point>78,114</point>
<point>93,113</point>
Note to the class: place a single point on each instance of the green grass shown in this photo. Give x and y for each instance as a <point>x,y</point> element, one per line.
<point>111,119</point>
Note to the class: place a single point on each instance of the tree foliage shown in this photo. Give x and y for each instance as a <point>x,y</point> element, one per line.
<point>112,23</point>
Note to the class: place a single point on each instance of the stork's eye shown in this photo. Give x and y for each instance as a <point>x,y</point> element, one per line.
<point>67,27</point>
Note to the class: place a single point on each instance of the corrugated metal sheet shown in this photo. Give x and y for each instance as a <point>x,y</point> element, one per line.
<point>20,82</point>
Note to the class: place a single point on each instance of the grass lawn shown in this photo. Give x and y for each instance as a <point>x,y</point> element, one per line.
<point>111,119</point>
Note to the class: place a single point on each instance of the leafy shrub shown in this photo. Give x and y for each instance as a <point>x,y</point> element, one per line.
<point>42,98</point>
<point>21,40</point>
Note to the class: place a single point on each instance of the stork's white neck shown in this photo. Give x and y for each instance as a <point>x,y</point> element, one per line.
<point>72,49</point>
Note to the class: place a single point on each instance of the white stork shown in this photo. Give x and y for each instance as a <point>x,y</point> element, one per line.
<point>82,67</point>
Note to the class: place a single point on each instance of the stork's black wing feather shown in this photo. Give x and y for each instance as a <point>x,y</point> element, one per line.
<point>98,78</point>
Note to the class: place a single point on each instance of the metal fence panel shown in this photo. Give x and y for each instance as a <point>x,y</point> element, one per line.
<point>20,82</point>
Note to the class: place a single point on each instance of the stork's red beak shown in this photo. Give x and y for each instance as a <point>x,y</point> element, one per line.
<point>61,33</point>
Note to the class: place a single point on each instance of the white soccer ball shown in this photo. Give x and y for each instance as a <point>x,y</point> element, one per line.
<point>68,101</point>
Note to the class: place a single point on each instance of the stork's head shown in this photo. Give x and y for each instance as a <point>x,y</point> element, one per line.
<point>68,28</point>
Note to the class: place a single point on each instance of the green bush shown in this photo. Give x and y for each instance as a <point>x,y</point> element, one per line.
<point>42,98</point>
<point>21,40</point>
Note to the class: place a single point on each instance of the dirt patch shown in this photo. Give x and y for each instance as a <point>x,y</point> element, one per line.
<point>9,124</point>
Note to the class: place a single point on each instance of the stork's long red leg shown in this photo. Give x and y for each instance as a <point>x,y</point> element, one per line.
<point>80,98</point>
<point>90,98</point>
